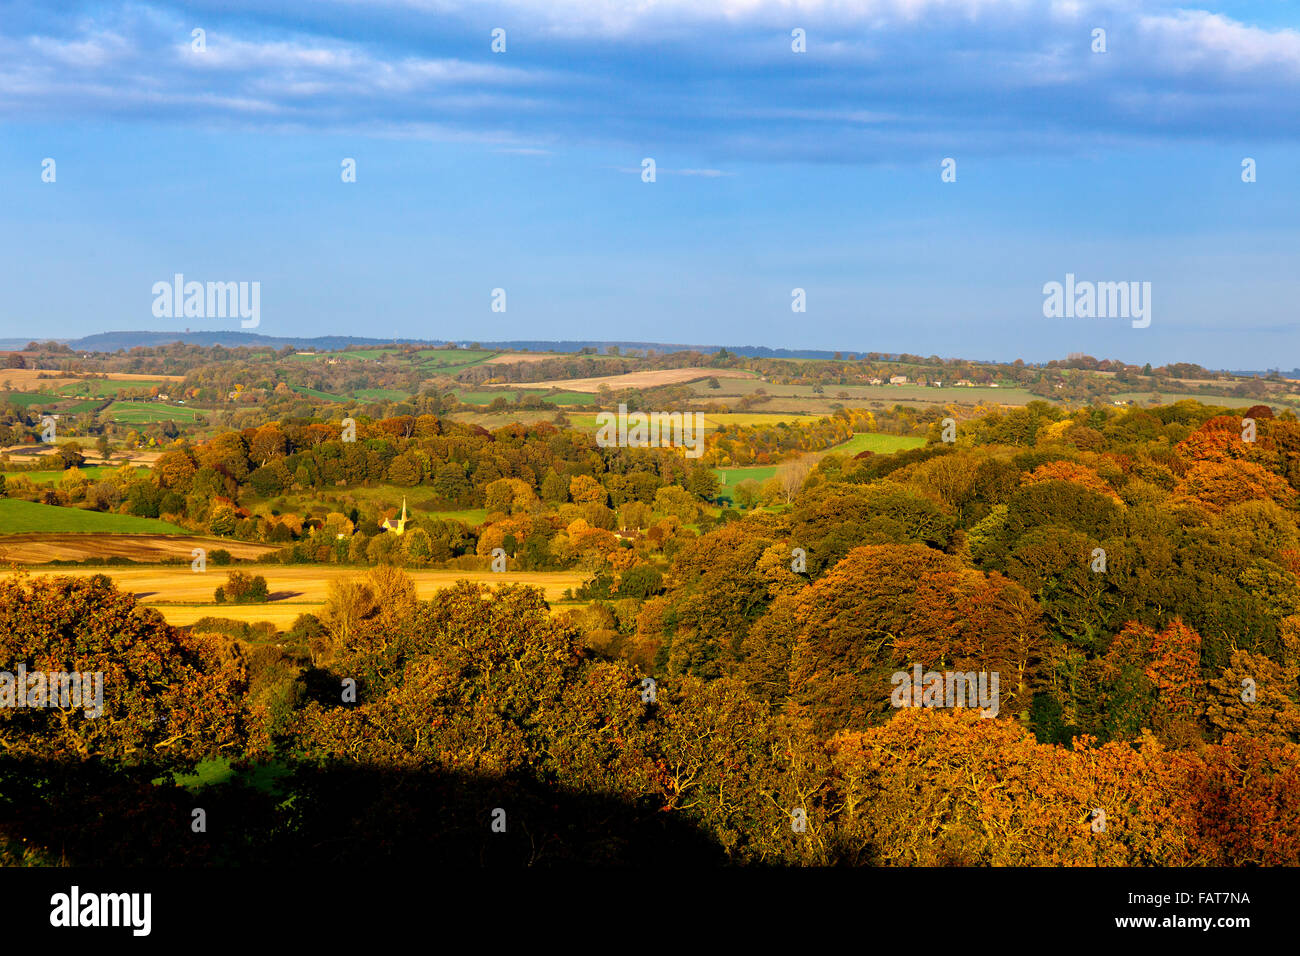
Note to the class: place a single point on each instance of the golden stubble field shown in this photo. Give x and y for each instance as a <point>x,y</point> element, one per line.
<point>183,596</point>
<point>29,379</point>
<point>649,379</point>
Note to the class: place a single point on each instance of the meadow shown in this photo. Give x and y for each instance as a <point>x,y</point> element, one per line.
<point>487,396</point>
<point>877,442</point>
<point>107,388</point>
<point>18,517</point>
<point>54,475</point>
<point>142,413</point>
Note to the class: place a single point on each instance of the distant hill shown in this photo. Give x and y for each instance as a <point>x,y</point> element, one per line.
<point>115,341</point>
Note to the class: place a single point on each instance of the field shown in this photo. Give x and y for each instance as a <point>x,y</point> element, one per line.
<point>27,378</point>
<point>880,444</point>
<point>510,358</point>
<point>183,596</point>
<point>43,547</point>
<point>107,388</point>
<point>1143,399</point>
<point>648,379</point>
<point>17,517</point>
<point>140,413</point>
<point>318,394</point>
<point>28,399</point>
<point>381,394</point>
<point>55,475</point>
<point>728,478</point>
<point>712,421</point>
<point>487,396</point>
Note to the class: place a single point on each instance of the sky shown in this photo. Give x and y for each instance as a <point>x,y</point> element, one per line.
<point>220,157</point>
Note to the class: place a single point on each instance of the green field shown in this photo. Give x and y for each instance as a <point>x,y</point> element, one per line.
<point>52,475</point>
<point>488,396</point>
<point>470,516</point>
<point>1143,399</point>
<point>317,394</point>
<point>101,388</point>
<point>381,394</point>
<point>141,413</point>
<point>880,444</point>
<point>341,499</point>
<point>449,358</point>
<point>728,478</point>
<point>28,399</point>
<point>17,517</point>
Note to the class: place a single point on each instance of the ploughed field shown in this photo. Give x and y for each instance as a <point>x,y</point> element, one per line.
<point>183,595</point>
<point>41,547</point>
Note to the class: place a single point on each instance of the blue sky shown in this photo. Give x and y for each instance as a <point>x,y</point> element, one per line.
<point>522,170</point>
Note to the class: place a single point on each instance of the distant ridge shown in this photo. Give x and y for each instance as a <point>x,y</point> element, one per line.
<point>115,341</point>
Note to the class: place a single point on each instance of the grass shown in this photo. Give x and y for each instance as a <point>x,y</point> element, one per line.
<point>318,394</point>
<point>712,422</point>
<point>728,478</point>
<point>28,399</point>
<point>17,517</point>
<point>470,516</point>
<point>1142,399</point>
<point>488,396</point>
<point>100,388</point>
<point>381,394</point>
<point>879,443</point>
<point>140,413</point>
<point>336,499</point>
<point>42,477</point>
<point>218,770</point>
<point>449,358</point>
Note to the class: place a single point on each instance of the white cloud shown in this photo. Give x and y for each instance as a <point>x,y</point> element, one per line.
<point>1192,39</point>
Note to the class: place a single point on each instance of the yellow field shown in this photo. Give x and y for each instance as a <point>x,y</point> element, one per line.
<point>183,596</point>
<point>29,379</point>
<point>663,376</point>
<point>713,421</point>
<point>510,358</point>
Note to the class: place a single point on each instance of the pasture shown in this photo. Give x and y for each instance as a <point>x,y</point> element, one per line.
<point>18,517</point>
<point>54,475</point>
<point>879,443</point>
<point>143,413</point>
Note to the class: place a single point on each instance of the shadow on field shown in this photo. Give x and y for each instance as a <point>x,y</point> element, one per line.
<point>94,815</point>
